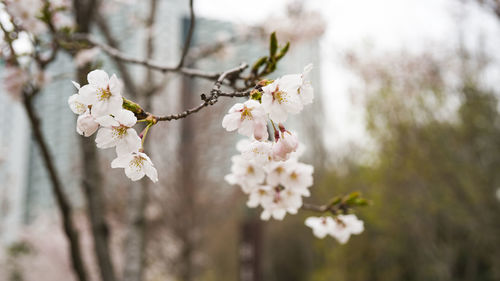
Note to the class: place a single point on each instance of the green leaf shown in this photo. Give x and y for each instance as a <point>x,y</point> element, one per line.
<point>258,64</point>
<point>283,51</point>
<point>349,199</point>
<point>273,45</point>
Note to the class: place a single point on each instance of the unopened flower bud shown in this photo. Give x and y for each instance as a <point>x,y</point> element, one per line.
<point>86,124</point>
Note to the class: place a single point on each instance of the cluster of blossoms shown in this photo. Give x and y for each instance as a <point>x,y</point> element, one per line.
<point>269,171</point>
<point>99,105</point>
<point>340,227</point>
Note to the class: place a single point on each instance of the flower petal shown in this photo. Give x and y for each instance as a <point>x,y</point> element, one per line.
<point>98,78</point>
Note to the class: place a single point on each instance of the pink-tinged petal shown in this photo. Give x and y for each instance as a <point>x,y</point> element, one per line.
<point>236,108</point>
<point>306,94</point>
<point>231,121</point>
<point>291,82</point>
<point>115,104</point>
<point>104,138</point>
<point>122,161</point>
<point>294,104</point>
<point>86,125</point>
<point>253,200</point>
<point>130,143</point>
<point>260,131</point>
<point>100,109</point>
<point>115,85</point>
<point>279,214</point>
<point>278,114</point>
<point>252,104</point>
<point>246,128</point>
<point>231,179</point>
<point>98,78</point>
<point>265,215</point>
<point>75,105</point>
<point>88,95</point>
<point>107,121</point>
<point>151,172</point>
<point>126,117</point>
<point>133,173</point>
<point>267,102</point>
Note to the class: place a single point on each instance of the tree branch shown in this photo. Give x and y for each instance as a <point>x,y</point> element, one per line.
<point>116,54</point>
<point>212,99</point>
<point>189,36</point>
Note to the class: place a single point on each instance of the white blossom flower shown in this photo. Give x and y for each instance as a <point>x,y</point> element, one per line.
<point>321,226</point>
<point>86,124</point>
<point>249,118</point>
<point>285,145</point>
<point>245,173</point>
<point>283,201</point>
<point>298,176</point>
<point>117,131</point>
<point>345,225</point>
<point>102,92</point>
<point>302,84</point>
<point>260,194</point>
<point>76,106</point>
<point>136,165</point>
<point>277,170</point>
<point>258,151</point>
<point>280,98</point>
<point>306,91</point>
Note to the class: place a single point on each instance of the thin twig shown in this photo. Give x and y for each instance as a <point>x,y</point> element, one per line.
<point>115,53</point>
<point>212,99</point>
<point>189,36</point>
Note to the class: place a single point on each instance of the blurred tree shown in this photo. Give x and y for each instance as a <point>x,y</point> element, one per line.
<point>433,183</point>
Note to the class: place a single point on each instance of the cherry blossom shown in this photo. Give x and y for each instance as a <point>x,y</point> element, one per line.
<point>345,225</point>
<point>117,131</point>
<point>284,146</point>
<point>246,173</point>
<point>283,201</point>
<point>260,194</point>
<point>86,124</point>
<point>258,151</point>
<point>136,165</point>
<point>277,170</point>
<point>280,98</point>
<point>76,106</point>
<point>102,92</point>
<point>321,226</point>
<point>298,176</point>
<point>249,118</point>
<point>340,228</point>
<point>306,91</point>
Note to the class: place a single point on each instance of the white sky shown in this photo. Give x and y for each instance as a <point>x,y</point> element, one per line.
<point>385,24</point>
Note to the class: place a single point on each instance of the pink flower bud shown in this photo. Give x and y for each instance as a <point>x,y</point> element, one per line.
<point>285,145</point>
<point>86,124</point>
